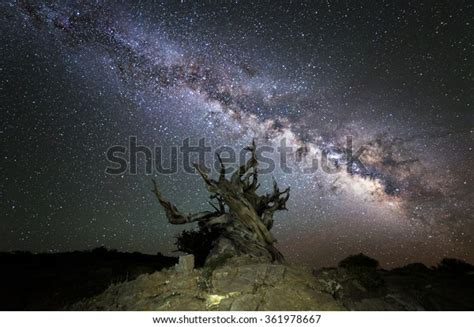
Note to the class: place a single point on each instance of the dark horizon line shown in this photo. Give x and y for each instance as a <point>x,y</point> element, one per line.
<point>159,253</point>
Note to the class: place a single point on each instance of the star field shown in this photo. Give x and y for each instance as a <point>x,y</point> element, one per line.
<point>78,78</point>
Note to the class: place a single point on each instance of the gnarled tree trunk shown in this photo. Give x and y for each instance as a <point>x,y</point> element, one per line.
<point>242,217</point>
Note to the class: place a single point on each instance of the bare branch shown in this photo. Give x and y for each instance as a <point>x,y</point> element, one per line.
<point>175,216</point>
<point>204,174</point>
<point>222,171</point>
<point>251,163</point>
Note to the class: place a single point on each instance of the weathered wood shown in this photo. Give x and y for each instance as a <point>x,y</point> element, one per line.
<point>243,217</point>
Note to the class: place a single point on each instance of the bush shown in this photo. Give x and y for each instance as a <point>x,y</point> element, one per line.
<point>359,261</point>
<point>197,242</point>
<point>413,268</point>
<point>364,270</point>
<point>452,265</point>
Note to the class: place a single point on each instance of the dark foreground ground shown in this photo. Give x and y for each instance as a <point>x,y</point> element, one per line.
<point>56,281</point>
<point>446,287</point>
<point>53,281</point>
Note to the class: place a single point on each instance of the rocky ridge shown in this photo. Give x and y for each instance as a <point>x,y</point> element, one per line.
<point>246,283</point>
<point>241,283</point>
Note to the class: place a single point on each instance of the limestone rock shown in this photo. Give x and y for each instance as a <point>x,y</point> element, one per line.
<point>246,302</point>
<point>185,264</point>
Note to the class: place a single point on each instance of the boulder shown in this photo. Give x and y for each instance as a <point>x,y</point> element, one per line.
<point>185,264</point>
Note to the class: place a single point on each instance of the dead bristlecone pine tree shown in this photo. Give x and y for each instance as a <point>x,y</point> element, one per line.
<point>241,217</point>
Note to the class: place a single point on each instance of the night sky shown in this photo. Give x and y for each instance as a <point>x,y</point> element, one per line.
<point>79,77</point>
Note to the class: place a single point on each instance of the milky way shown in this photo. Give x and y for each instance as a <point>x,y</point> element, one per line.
<point>77,78</point>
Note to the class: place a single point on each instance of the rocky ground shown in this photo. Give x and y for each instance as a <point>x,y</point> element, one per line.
<point>246,284</point>
<point>238,284</point>
<point>448,286</point>
<point>109,280</point>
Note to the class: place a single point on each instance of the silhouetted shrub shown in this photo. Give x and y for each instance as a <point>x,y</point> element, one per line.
<point>413,268</point>
<point>452,265</point>
<point>101,250</point>
<point>359,260</point>
<point>363,269</point>
<point>197,242</point>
